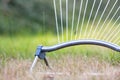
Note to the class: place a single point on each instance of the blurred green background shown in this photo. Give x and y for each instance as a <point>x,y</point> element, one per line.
<point>34,16</point>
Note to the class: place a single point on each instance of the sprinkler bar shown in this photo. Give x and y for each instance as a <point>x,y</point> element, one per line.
<point>41,50</point>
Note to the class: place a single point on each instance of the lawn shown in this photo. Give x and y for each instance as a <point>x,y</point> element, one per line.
<point>17,54</point>
<point>65,68</point>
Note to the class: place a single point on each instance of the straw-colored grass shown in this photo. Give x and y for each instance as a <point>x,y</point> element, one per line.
<point>65,68</point>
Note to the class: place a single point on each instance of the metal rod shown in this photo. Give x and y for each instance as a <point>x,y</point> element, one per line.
<point>34,63</point>
<point>81,42</point>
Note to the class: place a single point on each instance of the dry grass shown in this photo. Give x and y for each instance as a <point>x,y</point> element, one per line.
<point>66,68</point>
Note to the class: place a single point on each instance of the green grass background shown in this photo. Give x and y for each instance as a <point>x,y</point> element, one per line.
<point>24,47</point>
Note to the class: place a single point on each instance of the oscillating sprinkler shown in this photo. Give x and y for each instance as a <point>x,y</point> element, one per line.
<point>41,50</point>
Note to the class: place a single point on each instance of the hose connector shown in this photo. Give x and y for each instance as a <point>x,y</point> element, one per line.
<point>41,55</point>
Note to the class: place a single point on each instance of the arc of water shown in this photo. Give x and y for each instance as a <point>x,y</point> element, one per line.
<point>83,18</point>
<point>89,18</point>
<point>73,18</point>
<point>108,23</point>
<point>101,28</point>
<point>101,17</point>
<point>117,40</point>
<point>106,35</point>
<point>79,16</point>
<point>61,20</point>
<point>94,18</point>
<point>67,19</point>
<point>57,29</point>
<point>109,39</point>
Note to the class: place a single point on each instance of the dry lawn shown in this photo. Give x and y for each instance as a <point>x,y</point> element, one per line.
<point>66,68</point>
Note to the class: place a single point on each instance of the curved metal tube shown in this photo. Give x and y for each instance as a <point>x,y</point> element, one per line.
<point>81,42</point>
<point>41,50</point>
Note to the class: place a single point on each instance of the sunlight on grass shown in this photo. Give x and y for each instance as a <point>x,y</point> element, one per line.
<point>25,46</point>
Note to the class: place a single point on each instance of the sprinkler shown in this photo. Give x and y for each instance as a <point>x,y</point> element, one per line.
<point>41,50</point>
